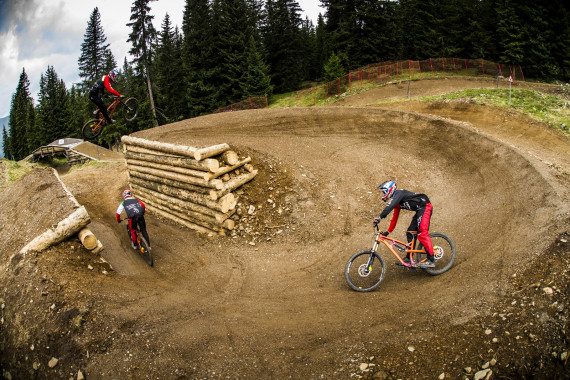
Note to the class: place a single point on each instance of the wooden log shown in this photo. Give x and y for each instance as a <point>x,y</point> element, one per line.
<point>98,248</point>
<point>248,167</point>
<point>62,231</point>
<point>210,151</point>
<point>87,238</point>
<point>182,205</point>
<point>214,183</point>
<point>229,157</point>
<point>191,172</point>
<point>137,153</point>
<point>180,221</point>
<point>187,151</point>
<point>236,182</point>
<point>211,193</point>
<point>223,204</point>
<point>226,169</point>
<point>202,223</point>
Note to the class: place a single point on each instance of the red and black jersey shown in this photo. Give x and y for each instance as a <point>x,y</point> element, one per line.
<point>403,199</point>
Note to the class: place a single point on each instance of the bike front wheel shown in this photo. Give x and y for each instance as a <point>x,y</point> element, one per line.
<point>364,271</point>
<point>130,109</point>
<point>444,253</point>
<point>145,251</point>
<point>92,129</point>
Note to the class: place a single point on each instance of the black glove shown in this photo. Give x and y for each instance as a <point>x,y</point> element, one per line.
<point>385,233</point>
<point>376,221</point>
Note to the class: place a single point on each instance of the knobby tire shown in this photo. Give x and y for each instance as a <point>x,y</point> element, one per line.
<point>87,130</point>
<point>145,251</point>
<point>361,278</point>
<point>445,247</point>
<point>130,109</point>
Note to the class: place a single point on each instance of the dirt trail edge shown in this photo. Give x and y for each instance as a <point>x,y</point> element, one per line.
<point>271,302</point>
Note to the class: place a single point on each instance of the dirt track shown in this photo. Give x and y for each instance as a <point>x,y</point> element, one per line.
<point>275,304</point>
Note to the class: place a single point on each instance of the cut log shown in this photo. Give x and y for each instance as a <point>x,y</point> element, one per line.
<point>226,169</point>
<point>98,248</point>
<point>208,164</point>
<point>87,238</point>
<point>229,157</point>
<point>236,182</point>
<point>173,169</point>
<point>62,231</point>
<point>223,204</point>
<point>214,183</point>
<point>248,167</point>
<point>211,193</point>
<point>210,151</point>
<point>180,221</point>
<point>166,200</point>
<point>187,151</point>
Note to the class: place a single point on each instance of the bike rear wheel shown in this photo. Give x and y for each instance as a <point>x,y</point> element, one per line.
<point>145,251</point>
<point>363,274</point>
<point>92,129</point>
<point>444,252</point>
<point>130,109</point>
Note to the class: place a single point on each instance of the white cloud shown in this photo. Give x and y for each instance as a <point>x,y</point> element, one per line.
<point>38,33</point>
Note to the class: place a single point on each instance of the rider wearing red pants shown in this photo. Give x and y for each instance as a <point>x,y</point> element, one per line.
<point>134,209</point>
<point>404,199</point>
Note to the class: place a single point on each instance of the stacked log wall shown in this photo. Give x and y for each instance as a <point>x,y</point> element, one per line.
<point>194,187</point>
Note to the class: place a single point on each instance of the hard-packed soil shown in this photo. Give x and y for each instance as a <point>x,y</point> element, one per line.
<point>270,301</point>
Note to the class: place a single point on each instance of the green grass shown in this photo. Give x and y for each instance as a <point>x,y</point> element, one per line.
<point>543,107</point>
<point>14,170</point>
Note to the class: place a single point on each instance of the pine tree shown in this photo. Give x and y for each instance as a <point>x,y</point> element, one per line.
<point>21,117</point>
<point>95,53</point>
<point>283,43</point>
<point>169,73</point>
<point>53,111</point>
<point>510,31</point>
<point>255,80</point>
<point>6,143</point>
<point>143,37</point>
<point>198,57</point>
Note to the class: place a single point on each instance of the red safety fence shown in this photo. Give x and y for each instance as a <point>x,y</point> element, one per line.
<point>382,73</point>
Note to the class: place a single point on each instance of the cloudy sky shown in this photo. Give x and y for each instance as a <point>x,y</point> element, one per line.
<point>38,33</point>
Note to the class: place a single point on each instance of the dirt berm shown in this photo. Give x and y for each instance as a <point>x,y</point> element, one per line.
<point>271,302</point>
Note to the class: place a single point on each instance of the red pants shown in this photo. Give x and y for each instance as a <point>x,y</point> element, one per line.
<point>420,223</point>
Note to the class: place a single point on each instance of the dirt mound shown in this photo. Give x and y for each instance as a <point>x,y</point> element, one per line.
<point>98,153</point>
<point>272,301</point>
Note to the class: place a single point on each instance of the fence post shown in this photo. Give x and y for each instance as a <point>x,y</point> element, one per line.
<point>250,103</point>
<point>327,92</point>
<point>443,63</point>
<point>521,72</point>
<point>297,101</point>
<point>483,66</point>
<point>466,67</point>
<point>419,67</point>
<point>454,71</point>
<point>339,87</point>
<point>266,102</point>
<point>431,65</point>
<point>349,81</point>
<point>315,97</point>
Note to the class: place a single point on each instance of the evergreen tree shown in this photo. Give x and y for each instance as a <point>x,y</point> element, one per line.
<point>143,36</point>
<point>334,68</point>
<point>510,30</point>
<point>6,143</point>
<point>53,111</point>
<point>283,43</point>
<point>169,72</point>
<point>95,53</point>
<point>558,14</point>
<point>198,57</point>
<point>255,80</point>
<point>21,117</point>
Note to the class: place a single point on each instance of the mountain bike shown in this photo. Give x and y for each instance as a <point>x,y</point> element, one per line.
<point>142,247</point>
<point>94,127</point>
<point>366,269</point>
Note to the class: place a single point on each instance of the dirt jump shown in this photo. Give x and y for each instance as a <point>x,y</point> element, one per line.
<point>271,301</point>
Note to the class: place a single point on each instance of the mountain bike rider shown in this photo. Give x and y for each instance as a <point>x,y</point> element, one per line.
<point>134,209</point>
<point>99,88</point>
<point>404,199</point>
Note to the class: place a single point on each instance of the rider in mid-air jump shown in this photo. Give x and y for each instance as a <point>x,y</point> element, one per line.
<point>404,199</point>
<point>134,209</point>
<point>99,88</point>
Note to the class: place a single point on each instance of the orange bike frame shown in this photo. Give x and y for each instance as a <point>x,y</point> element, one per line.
<point>390,242</point>
<point>110,112</point>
